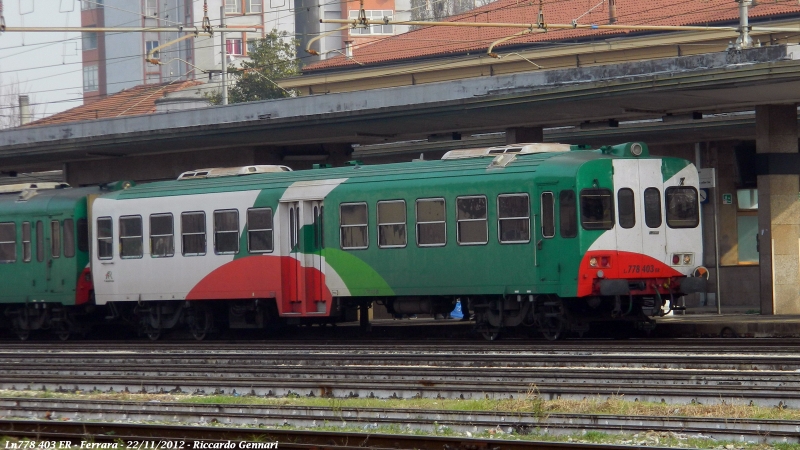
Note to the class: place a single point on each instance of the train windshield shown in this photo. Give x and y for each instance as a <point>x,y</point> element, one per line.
<point>682,207</point>
<point>597,209</point>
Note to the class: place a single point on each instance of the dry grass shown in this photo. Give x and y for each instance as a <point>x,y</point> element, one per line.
<point>530,403</point>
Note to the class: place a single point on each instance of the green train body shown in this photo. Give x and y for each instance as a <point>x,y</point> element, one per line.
<point>522,235</point>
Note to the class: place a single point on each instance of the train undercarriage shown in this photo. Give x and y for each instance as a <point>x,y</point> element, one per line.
<point>551,316</point>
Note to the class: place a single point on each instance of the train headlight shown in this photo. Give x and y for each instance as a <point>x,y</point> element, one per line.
<point>636,149</point>
<point>676,259</point>
<point>687,259</point>
<point>593,262</point>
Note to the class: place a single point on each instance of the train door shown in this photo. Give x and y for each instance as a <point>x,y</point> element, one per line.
<point>547,245</point>
<point>53,254</point>
<point>303,273</point>
<point>654,239</point>
<point>630,222</point>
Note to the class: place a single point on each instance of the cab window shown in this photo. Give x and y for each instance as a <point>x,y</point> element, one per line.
<point>652,207</point>
<point>682,207</point>
<point>597,209</point>
<point>627,208</point>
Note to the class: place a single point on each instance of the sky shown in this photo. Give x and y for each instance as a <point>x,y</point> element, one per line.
<point>47,66</point>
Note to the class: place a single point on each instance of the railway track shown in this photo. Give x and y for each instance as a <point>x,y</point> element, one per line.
<point>674,373</point>
<point>185,437</point>
<point>720,429</point>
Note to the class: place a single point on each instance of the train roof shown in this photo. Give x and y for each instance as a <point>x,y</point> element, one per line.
<point>557,163</point>
<point>40,201</point>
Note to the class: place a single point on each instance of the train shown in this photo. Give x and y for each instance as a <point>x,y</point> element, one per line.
<point>555,237</point>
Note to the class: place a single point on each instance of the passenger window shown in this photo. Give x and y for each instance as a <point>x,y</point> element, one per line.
<point>69,238</point>
<point>392,224</point>
<point>55,238</point>
<point>193,233</point>
<point>226,232</point>
<point>130,237</point>
<point>39,241</point>
<point>8,242</point>
<point>652,207</point>
<point>431,226</point>
<point>472,221</point>
<point>26,242</point>
<point>683,210</point>
<point>513,218</point>
<point>627,208</point>
<point>597,209</point>
<point>568,214</point>
<point>83,235</point>
<point>259,230</point>
<point>353,226</point>
<point>548,215</point>
<point>162,236</point>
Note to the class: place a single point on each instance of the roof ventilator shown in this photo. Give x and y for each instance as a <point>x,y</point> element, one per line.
<point>515,149</point>
<point>232,171</point>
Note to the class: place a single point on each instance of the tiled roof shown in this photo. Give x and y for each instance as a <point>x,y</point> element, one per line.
<point>442,41</point>
<point>130,102</point>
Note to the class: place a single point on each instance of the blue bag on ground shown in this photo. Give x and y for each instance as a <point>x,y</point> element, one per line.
<point>456,312</point>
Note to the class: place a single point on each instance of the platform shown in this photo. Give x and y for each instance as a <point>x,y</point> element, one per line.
<point>727,325</point>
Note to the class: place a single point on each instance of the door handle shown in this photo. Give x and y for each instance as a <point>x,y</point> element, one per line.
<point>540,244</point>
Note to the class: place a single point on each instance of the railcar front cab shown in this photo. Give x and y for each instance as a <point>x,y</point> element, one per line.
<point>639,232</point>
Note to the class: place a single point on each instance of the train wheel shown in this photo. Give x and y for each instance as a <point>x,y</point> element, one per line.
<point>200,323</point>
<point>552,323</point>
<point>153,334</point>
<point>490,335</point>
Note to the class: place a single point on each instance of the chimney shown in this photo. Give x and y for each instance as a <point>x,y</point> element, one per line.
<point>612,11</point>
<point>24,110</point>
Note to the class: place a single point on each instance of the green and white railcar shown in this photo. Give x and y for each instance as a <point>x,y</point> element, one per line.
<point>546,235</point>
<point>44,257</point>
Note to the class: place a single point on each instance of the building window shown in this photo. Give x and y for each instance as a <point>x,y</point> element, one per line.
<point>89,40</point>
<point>233,6</point>
<point>747,225</point>
<point>130,237</point>
<point>627,208</point>
<point>392,224</point>
<point>162,236</point>
<point>26,242</point>
<point>514,218</point>
<point>377,14</point>
<point>55,239</point>
<point>8,242</point>
<point>90,82</point>
<point>259,230</point>
<point>149,45</point>
<point>233,46</point>
<point>353,224</point>
<point>69,238</point>
<point>251,45</point>
<point>151,8</point>
<point>597,209</point>
<point>91,4</point>
<point>193,233</point>
<point>568,214</point>
<point>255,6</point>
<point>431,226</point>
<point>472,223</point>
<point>226,232</point>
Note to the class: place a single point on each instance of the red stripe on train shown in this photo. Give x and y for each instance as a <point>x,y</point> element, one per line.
<point>622,265</point>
